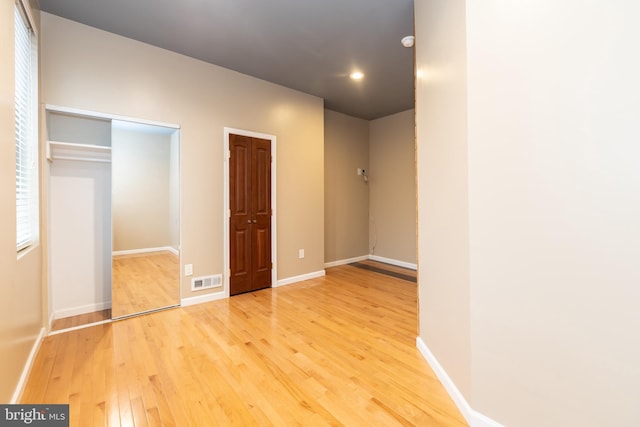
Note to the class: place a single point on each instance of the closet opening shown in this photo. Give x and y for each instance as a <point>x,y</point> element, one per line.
<point>113,216</point>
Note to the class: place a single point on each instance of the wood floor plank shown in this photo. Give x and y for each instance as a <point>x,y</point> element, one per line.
<point>57,387</point>
<point>84,365</point>
<point>43,364</point>
<point>142,282</point>
<point>337,350</point>
<point>122,358</point>
<point>81,319</point>
<point>98,376</point>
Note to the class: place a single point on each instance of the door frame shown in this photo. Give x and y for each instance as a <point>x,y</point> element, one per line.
<point>226,209</point>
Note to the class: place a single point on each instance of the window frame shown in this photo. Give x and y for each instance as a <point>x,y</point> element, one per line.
<point>26,127</point>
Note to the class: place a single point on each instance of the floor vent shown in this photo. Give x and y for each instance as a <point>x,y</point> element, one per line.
<point>206,282</point>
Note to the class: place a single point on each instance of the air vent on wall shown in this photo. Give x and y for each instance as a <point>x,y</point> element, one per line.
<point>206,282</point>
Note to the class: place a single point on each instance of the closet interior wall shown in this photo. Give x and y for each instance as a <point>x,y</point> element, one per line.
<point>79,218</point>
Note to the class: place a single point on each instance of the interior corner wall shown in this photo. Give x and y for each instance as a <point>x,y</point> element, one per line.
<point>346,148</point>
<point>392,187</point>
<point>90,69</point>
<point>443,231</point>
<point>21,306</point>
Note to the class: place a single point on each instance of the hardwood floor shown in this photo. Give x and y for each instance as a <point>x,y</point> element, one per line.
<point>388,269</point>
<point>81,319</point>
<point>338,350</point>
<point>144,282</point>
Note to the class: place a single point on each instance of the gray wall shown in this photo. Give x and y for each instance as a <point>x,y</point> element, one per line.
<point>346,148</point>
<point>392,187</point>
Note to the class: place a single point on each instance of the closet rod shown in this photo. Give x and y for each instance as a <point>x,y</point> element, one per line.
<point>81,159</point>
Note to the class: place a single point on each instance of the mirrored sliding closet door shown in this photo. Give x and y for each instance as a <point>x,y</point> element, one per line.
<point>113,215</point>
<point>145,206</point>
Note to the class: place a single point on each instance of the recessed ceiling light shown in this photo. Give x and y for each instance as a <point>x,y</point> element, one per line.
<point>356,75</point>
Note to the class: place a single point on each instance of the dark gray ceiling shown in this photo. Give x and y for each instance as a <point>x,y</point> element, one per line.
<point>308,45</point>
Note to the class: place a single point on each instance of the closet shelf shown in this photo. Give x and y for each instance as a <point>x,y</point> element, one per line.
<point>80,152</point>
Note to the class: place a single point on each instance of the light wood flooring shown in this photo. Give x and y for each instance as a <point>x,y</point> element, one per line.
<point>144,282</point>
<point>81,319</point>
<point>337,350</point>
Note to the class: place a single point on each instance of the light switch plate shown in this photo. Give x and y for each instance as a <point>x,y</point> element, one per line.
<point>188,269</point>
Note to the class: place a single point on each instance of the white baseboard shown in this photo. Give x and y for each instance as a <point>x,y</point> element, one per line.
<point>222,294</point>
<point>345,261</point>
<point>482,420</point>
<point>295,279</point>
<point>474,418</point>
<point>17,394</point>
<point>52,317</point>
<point>393,262</point>
<point>214,296</point>
<point>373,258</point>
<point>146,250</point>
<point>82,309</point>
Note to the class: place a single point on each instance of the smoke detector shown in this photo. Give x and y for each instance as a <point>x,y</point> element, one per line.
<point>407,41</point>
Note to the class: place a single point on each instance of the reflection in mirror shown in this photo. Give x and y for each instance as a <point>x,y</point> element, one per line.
<point>145,218</point>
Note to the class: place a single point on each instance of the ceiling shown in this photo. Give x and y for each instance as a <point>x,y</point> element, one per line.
<point>308,45</point>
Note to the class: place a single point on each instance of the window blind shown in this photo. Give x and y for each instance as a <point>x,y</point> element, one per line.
<point>26,108</point>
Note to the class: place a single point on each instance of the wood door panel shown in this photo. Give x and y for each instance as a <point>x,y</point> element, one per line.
<point>262,260</point>
<point>250,221</point>
<point>262,244</point>
<point>261,203</point>
<point>240,219</point>
<point>242,240</point>
<point>262,179</point>
<point>241,159</point>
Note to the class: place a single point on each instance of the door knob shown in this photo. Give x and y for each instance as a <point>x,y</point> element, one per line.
<point>255,221</point>
<point>248,221</point>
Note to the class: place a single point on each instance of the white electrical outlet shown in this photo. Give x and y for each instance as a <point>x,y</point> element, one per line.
<point>188,269</point>
<point>300,253</point>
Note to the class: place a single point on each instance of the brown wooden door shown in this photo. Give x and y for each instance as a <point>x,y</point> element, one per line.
<point>250,221</point>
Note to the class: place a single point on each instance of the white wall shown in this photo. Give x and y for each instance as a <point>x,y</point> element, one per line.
<point>555,201</point>
<point>80,237</point>
<point>141,189</point>
<point>63,127</point>
<point>443,230</point>
<point>553,206</point>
